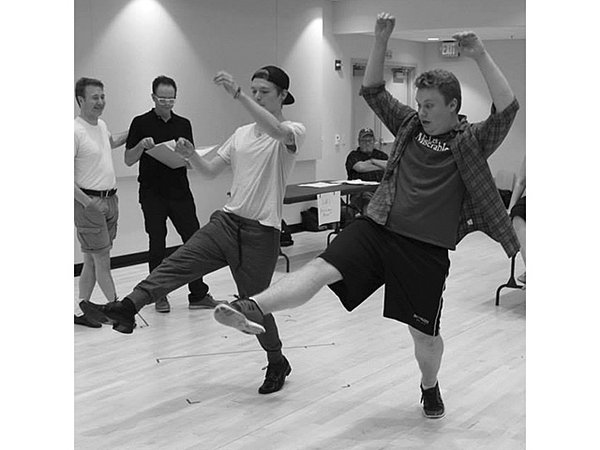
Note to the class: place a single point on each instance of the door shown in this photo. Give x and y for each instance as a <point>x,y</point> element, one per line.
<point>398,81</point>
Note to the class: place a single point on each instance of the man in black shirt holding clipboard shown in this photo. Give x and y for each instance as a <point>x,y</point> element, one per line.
<point>164,192</point>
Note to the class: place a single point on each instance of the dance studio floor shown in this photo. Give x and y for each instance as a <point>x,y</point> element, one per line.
<point>186,382</point>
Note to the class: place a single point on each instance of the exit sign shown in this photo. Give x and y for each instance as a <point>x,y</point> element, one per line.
<point>449,49</point>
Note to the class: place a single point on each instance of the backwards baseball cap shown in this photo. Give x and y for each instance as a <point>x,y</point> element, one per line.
<point>365,132</point>
<point>278,77</point>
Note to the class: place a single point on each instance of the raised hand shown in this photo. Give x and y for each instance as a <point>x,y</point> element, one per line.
<point>384,25</point>
<point>469,43</point>
<point>226,80</point>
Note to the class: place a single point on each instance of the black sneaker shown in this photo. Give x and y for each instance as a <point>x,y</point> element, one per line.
<point>243,315</point>
<point>433,406</point>
<point>113,312</point>
<point>87,322</point>
<point>275,378</point>
<point>162,305</point>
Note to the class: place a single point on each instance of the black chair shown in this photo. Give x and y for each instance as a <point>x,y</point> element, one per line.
<point>511,283</point>
<point>287,260</point>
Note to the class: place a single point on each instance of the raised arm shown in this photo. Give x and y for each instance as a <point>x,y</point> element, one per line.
<point>268,122</point>
<point>384,25</point>
<point>500,91</point>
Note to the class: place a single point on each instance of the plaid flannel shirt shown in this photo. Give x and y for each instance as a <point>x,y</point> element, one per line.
<point>482,208</point>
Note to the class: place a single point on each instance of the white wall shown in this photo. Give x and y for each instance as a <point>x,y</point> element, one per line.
<point>337,117</point>
<point>510,57</point>
<point>126,43</point>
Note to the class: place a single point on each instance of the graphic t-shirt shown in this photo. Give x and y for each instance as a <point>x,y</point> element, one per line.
<point>429,191</point>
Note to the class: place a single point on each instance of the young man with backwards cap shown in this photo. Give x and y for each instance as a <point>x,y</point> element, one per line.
<point>437,187</point>
<point>245,234</point>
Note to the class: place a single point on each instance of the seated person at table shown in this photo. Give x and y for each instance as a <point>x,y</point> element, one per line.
<point>365,163</point>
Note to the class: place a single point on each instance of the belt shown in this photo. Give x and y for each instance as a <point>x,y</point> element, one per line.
<point>102,194</point>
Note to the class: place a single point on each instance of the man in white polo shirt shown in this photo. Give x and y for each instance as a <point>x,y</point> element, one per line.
<point>96,203</point>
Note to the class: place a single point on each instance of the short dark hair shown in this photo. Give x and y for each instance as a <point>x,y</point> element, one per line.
<point>82,83</point>
<point>444,81</point>
<point>162,79</point>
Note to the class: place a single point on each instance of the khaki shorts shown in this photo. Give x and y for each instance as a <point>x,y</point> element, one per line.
<point>96,224</point>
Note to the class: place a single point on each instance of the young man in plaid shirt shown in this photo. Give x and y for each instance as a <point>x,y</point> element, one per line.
<point>437,187</point>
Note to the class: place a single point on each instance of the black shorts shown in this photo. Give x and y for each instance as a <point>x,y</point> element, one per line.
<point>519,209</point>
<point>414,273</point>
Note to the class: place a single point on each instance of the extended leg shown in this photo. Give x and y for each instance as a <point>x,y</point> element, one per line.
<point>291,291</point>
<point>298,287</point>
<point>197,257</point>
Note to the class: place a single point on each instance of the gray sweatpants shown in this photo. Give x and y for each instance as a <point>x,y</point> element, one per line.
<point>247,247</point>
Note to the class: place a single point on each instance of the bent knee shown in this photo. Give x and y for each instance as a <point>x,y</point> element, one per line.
<point>325,271</point>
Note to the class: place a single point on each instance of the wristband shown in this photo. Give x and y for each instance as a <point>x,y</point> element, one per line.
<point>237,93</point>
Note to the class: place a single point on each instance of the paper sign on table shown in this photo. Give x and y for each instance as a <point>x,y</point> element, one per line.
<point>328,205</point>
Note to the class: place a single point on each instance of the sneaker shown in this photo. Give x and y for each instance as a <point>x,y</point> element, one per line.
<point>87,322</point>
<point>521,278</point>
<point>243,315</point>
<point>207,302</point>
<point>433,406</point>
<point>162,305</point>
<point>113,313</point>
<point>275,378</point>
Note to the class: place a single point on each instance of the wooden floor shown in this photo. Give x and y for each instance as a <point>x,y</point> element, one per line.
<point>186,382</point>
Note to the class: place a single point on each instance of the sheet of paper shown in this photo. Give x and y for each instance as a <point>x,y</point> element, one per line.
<point>205,150</point>
<point>368,183</point>
<point>165,153</point>
<point>329,207</point>
<point>319,184</point>
<point>357,182</point>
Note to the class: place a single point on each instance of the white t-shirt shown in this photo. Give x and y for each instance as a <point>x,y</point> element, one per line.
<point>261,166</point>
<point>93,156</point>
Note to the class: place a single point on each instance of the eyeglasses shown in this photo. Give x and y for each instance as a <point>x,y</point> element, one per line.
<point>164,100</point>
